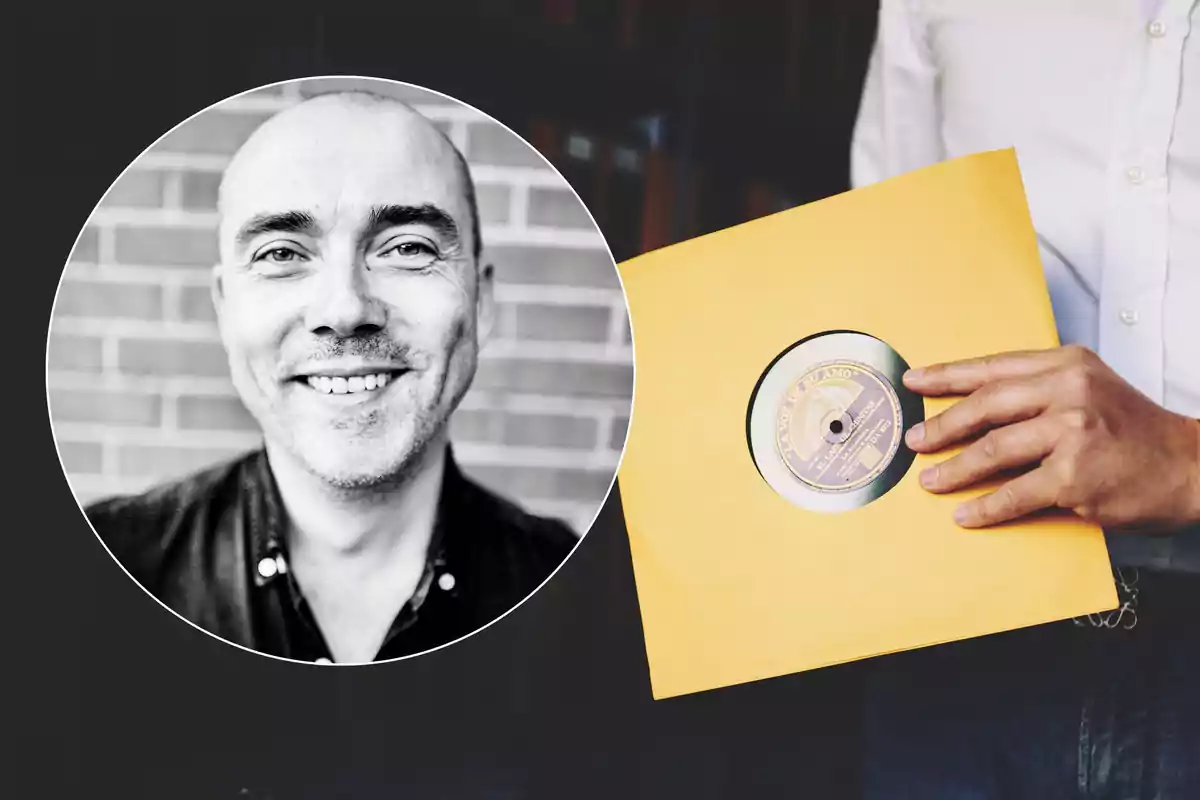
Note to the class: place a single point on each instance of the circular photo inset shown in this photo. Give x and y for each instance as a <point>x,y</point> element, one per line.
<point>339,370</point>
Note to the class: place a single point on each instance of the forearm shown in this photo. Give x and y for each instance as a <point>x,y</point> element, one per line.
<point>1192,497</point>
<point>1181,514</point>
<point>1179,510</point>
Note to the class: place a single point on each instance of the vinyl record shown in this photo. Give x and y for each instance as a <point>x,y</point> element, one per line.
<point>827,419</point>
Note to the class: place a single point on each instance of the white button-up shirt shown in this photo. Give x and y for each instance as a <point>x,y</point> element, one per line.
<point>1101,99</point>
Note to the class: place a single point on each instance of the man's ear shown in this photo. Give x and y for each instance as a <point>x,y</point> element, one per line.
<point>485,303</point>
<point>217,289</point>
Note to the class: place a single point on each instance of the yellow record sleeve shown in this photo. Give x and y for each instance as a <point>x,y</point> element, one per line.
<point>737,581</point>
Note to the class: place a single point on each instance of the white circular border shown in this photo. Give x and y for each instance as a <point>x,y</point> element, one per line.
<point>549,165</point>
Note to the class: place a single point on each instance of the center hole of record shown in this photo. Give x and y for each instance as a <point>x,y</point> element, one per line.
<point>835,426</point>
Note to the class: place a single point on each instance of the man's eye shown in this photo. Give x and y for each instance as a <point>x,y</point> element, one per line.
<point>407,254</point>
<point>410,250</point>
<point>278,255</point>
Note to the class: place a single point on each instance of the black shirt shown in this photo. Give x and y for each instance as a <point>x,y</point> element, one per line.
<point>212,548</point>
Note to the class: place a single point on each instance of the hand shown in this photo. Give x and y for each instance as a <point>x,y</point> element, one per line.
<point>1098,446</point>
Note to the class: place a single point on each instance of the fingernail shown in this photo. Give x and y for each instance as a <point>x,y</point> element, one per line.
<point>928,476</point>
<point>915,434</point>
<point>962,514</point>
<point>914,374</point>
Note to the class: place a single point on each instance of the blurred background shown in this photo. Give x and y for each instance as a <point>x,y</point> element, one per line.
<point>139,386</point>
<point>672,118</point>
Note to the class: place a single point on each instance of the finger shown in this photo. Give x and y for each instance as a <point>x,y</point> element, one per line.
<point>964,377</point>
<point>995,404</point>
<point>1023,495</point>
<point>1010,447</point>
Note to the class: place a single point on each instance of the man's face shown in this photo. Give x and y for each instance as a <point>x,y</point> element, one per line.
<point>349,298</point>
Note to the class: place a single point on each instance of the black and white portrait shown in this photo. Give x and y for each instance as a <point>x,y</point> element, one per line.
<point>340,370</point>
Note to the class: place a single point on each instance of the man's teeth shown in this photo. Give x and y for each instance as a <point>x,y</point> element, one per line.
<point>339,385</point>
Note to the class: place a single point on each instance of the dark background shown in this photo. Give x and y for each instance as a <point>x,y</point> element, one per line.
<point>730,110</point>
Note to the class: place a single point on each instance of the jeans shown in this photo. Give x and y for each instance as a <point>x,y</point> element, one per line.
<point>1065,710</point>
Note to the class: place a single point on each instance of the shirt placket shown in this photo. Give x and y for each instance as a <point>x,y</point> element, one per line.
<point>291,626</point>
<point>1131,334</point>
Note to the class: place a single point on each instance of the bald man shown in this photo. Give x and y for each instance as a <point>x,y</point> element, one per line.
<point>352,301</point>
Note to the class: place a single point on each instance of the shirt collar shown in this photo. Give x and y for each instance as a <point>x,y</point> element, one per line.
<point>265,520</point>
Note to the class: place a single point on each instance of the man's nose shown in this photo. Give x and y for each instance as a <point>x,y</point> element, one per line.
<point>343,303</point>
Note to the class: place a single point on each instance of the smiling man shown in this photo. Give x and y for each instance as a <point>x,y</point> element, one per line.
<point>351,300</point>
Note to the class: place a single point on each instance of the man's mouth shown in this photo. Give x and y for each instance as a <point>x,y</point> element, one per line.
<point>350,384</point>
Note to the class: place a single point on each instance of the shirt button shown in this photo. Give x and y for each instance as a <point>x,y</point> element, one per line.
<point>1157,29</point>
<point>1135,174</point>
<point>1128,316</point>
<point>322,661</point>
<point>446,581</point>
<point>268,568</point>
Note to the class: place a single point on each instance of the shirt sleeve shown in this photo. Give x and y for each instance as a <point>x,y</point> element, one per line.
<point>898,128</point>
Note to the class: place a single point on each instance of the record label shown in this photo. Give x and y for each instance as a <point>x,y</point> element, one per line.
<point>839,426</point>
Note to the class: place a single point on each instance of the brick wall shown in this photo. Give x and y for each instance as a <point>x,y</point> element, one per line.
<point>138,381</point>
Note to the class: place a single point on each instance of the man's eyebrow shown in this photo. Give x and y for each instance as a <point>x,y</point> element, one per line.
<point>383,217</point>
<point>281,222</point>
